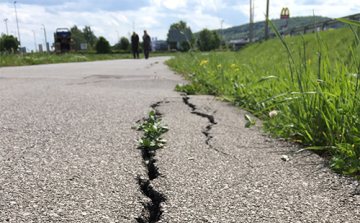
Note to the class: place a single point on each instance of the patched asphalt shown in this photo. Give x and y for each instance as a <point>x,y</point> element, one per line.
<point>68,153</point>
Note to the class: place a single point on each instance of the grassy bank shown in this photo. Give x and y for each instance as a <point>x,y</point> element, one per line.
<point>308,93</point>
<point>45,58</point>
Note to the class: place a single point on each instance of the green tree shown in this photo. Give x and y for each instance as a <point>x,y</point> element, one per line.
<point>216,40</point>
<point>181,25</point>
<point>78,37</point>
<point>230,46</point>
<point>102,46</point>
<point>205,40</point>
<point>124,43</point>
<point>117,46</point>
<point>89,35</point>
<point>1,42</point>
<point>9,43</point>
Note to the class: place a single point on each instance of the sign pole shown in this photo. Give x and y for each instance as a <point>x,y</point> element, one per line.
<point>266,22</point>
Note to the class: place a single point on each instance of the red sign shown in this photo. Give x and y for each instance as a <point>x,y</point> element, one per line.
<point>285,13</point>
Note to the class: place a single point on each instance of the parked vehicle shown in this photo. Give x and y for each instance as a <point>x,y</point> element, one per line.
<point>63,41</point>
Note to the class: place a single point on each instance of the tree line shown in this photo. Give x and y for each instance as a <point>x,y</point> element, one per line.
<point>9,43</point>
<point>207,40</point>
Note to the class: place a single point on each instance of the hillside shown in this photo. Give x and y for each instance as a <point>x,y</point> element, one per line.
<point>242,31</point>
<point>338,46</point>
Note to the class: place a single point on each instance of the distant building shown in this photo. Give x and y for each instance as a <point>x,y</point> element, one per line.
<point>239,43</point>
<point>162,45</point>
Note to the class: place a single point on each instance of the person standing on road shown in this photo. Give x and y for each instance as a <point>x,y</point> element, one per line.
<point>135,44</point>
<point>146,44</point>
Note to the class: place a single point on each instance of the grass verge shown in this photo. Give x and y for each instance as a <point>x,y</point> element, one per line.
<point>304,88</point>
<point>9,59</point>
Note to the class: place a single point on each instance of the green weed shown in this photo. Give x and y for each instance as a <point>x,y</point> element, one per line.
<point>151,141</point>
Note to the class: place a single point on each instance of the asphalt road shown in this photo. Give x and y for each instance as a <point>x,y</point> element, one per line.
<point>68,153</point>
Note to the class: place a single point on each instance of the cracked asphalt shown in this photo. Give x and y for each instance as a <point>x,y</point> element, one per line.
<point>68,153</point>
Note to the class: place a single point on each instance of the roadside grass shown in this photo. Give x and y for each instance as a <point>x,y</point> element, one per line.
<point>304,88</point>
<point>10,59</point>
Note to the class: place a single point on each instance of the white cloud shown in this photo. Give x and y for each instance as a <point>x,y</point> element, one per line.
<point>155,17</point>
<point>169,4</point>
<point>329,8</point>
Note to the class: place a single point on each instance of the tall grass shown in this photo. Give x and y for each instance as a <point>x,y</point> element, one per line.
<point>314,91</point>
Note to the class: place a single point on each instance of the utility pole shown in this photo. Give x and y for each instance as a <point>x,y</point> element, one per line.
<point>251,22</point>
<point>17,25</point>
<point>266,22</point>
<point>7,32</point>
<point>47,49</point>
<point>34,40</point>
<point>222,34</point>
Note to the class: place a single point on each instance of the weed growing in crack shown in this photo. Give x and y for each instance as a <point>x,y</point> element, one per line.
<point>151,141</point>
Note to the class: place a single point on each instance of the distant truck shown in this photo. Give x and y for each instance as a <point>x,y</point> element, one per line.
<point>63,41</point>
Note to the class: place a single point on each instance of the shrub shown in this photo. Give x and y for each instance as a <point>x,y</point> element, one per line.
<point>102,46</point>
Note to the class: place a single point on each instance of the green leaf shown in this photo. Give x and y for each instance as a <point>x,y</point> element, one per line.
<point>247,118</point>
<point>340,164</point>
<point>247,125</point>
<point>349,21</point>
<point>253,122</point>
<point>316,148</point>
<point>299,151</point>
<point>352,169</point>
<point>260,81</point>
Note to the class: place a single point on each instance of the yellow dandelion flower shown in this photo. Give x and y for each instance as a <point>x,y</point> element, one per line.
<point>204,62</point>
<point>233,65</point>
<point>353,145</point>
<point>298,141</point>
<point>219,65</point>
<point>309,60</point>
<point>236,69</point>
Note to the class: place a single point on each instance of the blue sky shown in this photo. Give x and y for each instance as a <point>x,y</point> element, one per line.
<point>113,18</point>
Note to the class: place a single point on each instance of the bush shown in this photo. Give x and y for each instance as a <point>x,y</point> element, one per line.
<point>124,43</point>
<point>9,43</point>
<point>230,47</point>
<point>102,46</point>
<point>208,40</point>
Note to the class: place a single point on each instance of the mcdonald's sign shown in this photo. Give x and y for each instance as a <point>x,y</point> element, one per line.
<point>285,13</point>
